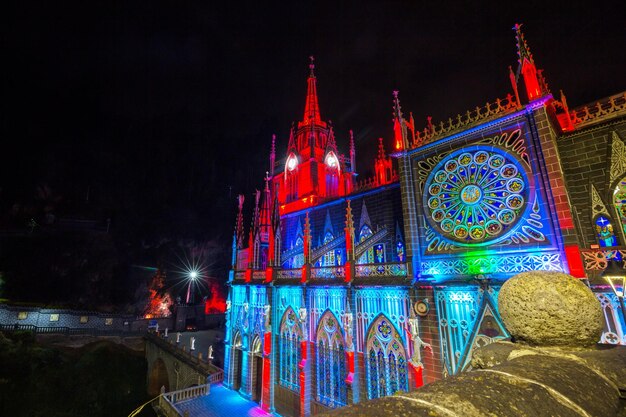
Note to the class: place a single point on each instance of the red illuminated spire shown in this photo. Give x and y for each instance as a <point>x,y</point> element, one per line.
<point>331,145</point>
<point>291,146</point>
<point>265,215</point>
<point>311,108</point>
<point>382,165</point>
<point>352,152</point>
<point>381,149</point>
<point>523,51</point>
<point>527,66</point>
<point>273,155</point>
<point>398,124</point>
<point>239,228</point>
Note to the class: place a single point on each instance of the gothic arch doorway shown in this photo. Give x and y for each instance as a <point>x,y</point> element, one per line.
<point>237,361</point>
<point>257,369</point>
<point>158,378</point>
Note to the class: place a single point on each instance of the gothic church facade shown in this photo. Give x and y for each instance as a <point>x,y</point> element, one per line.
<point>344,291</point>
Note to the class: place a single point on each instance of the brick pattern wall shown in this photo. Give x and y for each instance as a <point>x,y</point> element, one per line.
<point>554,167</point>
<point>286,401</point>
<point>585,158</point>
<point>429,332</point>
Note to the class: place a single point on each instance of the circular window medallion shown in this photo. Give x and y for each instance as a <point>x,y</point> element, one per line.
<point>476,196</point>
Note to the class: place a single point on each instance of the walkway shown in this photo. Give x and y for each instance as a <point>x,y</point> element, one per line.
<point>221,402</point>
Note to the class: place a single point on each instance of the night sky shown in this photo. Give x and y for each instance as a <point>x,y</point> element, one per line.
<point>165,111</point>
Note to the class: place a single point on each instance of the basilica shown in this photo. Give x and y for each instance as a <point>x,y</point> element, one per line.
<point>343,290</point>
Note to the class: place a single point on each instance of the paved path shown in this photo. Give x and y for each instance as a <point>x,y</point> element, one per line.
<point>222,402</point>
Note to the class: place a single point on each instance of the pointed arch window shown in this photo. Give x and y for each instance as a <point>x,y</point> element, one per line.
<point>289,350</point>
<point>400,251</point>
<point>329,258</point>
<point>605,234</point>
<point>298,260</point>
<point>386,359</point>
<point>368,256</point>
<point>331,362</point>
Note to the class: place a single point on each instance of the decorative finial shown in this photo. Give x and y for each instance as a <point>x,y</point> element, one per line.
<point>381,149</point>
<point>397,110</point>
<point>523,51</point>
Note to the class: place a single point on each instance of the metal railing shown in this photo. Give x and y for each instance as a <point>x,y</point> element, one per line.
<point>68,331</point>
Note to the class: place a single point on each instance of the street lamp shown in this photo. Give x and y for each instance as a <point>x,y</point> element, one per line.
<point>615,275</point>
<point>192,277</point>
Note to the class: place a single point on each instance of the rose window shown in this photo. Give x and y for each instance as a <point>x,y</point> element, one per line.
<point>476,196</point>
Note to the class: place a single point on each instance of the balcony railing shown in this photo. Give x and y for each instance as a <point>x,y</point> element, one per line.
<point>381,270</point>
<point>294,274</point>
<point>328,272</point>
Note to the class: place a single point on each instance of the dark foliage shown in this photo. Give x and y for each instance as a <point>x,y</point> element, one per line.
<point>100,379</point>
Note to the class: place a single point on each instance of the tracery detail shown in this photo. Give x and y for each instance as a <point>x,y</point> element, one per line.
<point>476,195</point>
<point>289,350</point>
<point>386,359</point>
<point>331,362</point>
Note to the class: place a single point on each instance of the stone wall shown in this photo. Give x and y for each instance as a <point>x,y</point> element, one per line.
<point>586,161</point>
<point>42,317</point>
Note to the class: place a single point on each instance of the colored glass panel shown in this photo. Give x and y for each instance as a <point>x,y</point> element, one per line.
<point>386,360</point>
<point>476,196</point>
<point>604,232</point>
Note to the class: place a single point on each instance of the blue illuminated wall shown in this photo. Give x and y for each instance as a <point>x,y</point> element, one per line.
<point>483,207</point>
<point>468,318</point>
<point>376,209</point>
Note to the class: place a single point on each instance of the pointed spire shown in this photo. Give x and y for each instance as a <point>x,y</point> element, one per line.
<point>399,126</point>
<point>523,51</point>
<point>352,153</point>
<point>311,108</point>
<point>534,88</point>
<point>239,228</point>
<point>328,225</point>
<point>513,79</point>
<point>349,233</point>
<point>255,217</point>
<point>397,110</point>
<point>265,214</point>
<point>331,144</point>
<point>273,154</point>
<point>291,146</point>
<point>349,218</point>
<point>381,149</point>
<point>365,217</point>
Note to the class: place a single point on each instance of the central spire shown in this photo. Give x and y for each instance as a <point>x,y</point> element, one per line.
<point>311,108</point>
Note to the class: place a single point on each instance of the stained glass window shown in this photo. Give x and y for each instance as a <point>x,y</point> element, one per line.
<point>604,232</point>
<point>476,196</point>
<point>289,350</point>
<point>379,254</point>
<point>400,251</point>
<point>329,258</point>
<point>386,359</point>
<point>331,362</point>
<point>368,256</point>
<point>298,260</point>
